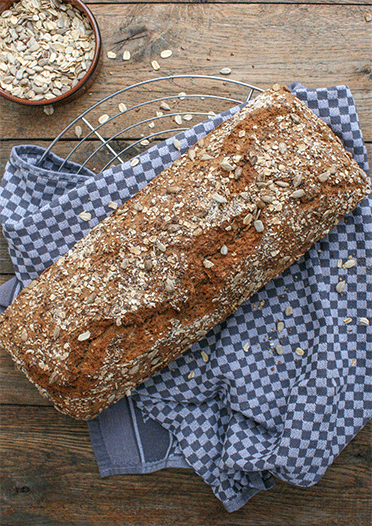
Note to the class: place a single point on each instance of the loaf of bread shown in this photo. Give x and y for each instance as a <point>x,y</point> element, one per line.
<point>172,262</point>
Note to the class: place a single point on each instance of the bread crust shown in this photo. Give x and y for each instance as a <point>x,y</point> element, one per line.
<point>179,257</point>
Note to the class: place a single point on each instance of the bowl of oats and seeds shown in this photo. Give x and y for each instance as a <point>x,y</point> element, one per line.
<point>49,50</point>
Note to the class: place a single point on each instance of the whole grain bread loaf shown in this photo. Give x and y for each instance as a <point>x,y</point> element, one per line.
<point>172,262</point>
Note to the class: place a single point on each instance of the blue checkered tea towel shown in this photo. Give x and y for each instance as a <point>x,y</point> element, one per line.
<point>250,410</point>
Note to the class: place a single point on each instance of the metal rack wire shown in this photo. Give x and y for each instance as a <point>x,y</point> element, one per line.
<point>122,135</point>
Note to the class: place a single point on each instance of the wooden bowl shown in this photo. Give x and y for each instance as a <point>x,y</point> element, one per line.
<point>85,82</point>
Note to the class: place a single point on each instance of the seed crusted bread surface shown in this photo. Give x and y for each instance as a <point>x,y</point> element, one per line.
<point>183,254</point>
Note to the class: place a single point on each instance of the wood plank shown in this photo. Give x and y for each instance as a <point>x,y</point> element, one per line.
<point>15,389</point>
<point>362,2</point>
<point>50,478</point>
<point>261,43</point>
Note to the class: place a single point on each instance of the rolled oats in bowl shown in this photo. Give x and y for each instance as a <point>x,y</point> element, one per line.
<point>49,50</point>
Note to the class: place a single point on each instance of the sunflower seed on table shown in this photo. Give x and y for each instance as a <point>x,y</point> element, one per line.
<point>45,53</point>
<point>166,53</point>
<point>155,65</point>
<point>103,118</point>
<point>164,106</point>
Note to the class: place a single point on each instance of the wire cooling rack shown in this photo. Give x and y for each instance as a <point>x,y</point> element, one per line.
<point>128,121</point>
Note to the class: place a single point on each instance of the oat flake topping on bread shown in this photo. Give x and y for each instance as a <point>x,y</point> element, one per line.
<point>182,255</point>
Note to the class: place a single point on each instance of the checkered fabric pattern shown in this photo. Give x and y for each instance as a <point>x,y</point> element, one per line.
<point>247,413</point>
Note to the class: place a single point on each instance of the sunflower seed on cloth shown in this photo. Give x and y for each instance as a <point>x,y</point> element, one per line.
<point>47,49</point>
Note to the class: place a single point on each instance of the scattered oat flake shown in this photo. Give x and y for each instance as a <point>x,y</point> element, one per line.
<point>145,142</point>
<point>85,216</point>
<point>368,17</point>
<point>135,250</point>
<point>347,321</point>
<point>155,65</point>
<point>364,321</point>
<point>299,351</point>
<point>122,107</point>
<point>225,71</point>
<point>164,106</point>
<point>178,119</point>
<point>280,326</point>
<point>208,264</point>
<point>177,144</point>
<point>262,303</point>
<point>126,55</point>
<point>134,162</point>
<point>103,118</point>
<point>204,356</point>
<point>182,95</point>
<point>191,375</point>
<point>166,53</point>
<point>151,124</point>
<point>78,131</point>
<point>49,110</point>
<point>111,54</point>
<point>339,263</point>
<point>353,361</point>
<point>113,205</point>
<point>246,347</point>
<point>187,117</point>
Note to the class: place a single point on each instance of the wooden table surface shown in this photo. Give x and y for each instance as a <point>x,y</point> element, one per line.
<point>49,474</point>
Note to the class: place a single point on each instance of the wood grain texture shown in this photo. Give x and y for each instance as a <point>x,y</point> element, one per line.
<point>261,43</point>
<point>50,478</point>
<point>361,2</point>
